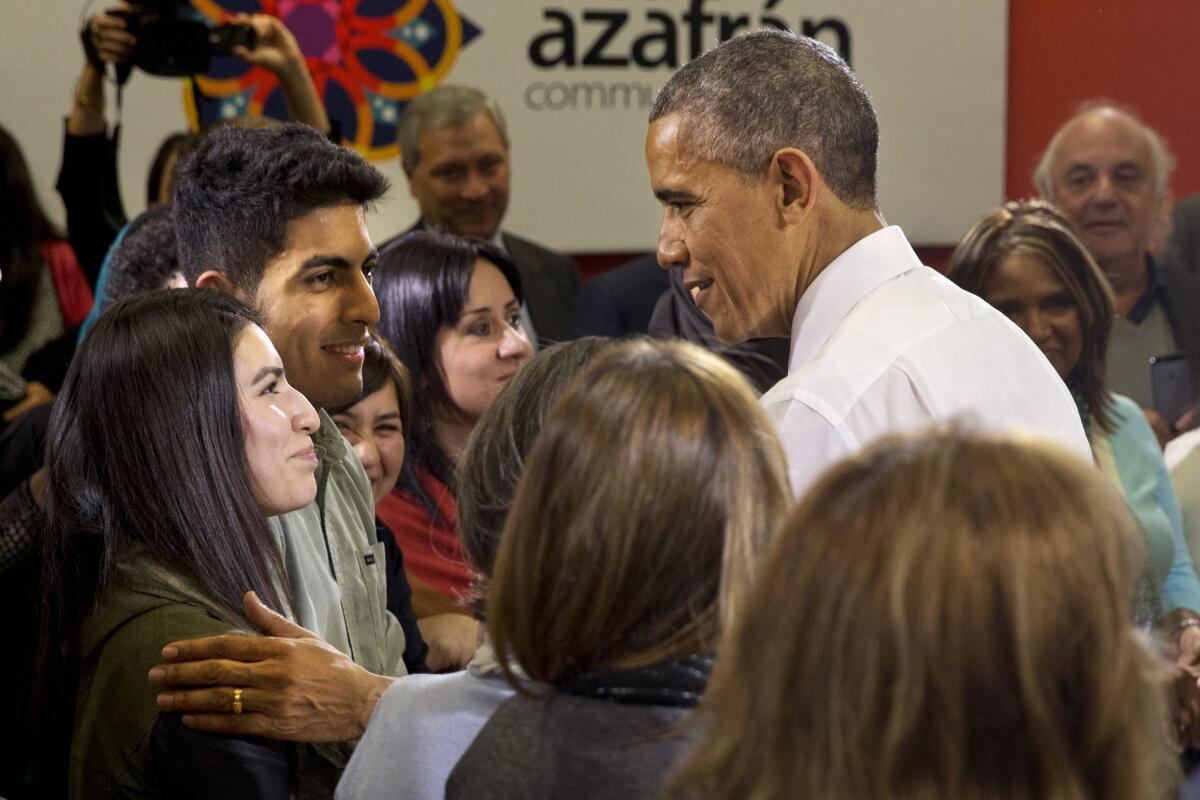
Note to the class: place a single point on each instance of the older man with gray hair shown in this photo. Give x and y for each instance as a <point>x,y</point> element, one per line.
<point>762,153</point>
<point>454,149</point>
<point>1109,172</point>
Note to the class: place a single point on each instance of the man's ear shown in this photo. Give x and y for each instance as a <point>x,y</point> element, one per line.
<point>798,179</point>
<point>218,281</point>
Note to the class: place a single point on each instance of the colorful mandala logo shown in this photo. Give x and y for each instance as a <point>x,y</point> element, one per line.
<point>368,58</point>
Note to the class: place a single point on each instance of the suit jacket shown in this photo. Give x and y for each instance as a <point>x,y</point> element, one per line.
<point>548,281</point>
<point>1183,245</point>
<point>620,301</point>
<point>764,362</point>
<point>1183,312</point>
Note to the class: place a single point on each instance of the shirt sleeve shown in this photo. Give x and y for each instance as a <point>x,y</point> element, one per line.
<point>91,195</point>
<point>20,523</point>
<point>1181,589</point>
<point>810,441</point>
<point>75,297</point>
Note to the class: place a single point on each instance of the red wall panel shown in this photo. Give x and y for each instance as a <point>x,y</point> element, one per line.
<point>1143,53</point>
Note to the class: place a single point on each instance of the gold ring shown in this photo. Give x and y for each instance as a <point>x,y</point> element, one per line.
<point>95,27</point>
<point>237,701</point>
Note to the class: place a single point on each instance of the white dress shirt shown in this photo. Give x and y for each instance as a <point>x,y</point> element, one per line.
<point>882,344</point>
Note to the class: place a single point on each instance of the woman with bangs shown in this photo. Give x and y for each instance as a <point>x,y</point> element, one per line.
<point>1026,260</point>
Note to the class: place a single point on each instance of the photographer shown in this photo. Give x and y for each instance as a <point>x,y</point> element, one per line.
<point>88,180</point>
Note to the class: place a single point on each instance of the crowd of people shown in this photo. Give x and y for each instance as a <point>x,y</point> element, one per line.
<point>286,514</point>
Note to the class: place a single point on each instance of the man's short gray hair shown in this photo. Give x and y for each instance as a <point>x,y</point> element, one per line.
<point>758,93</point>
<point>1160,156</point>
<point>445,106</point>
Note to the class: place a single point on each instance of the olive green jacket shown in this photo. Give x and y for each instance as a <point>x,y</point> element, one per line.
<point>336,570</point>
<point>146,608</point>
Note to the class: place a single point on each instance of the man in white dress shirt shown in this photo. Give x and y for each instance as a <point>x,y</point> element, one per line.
<point>762,153</point>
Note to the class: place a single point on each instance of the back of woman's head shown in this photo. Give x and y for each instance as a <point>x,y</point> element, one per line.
<point>494,457</point>
<point>145,259</point>
<point>645,501</point>
<point>146,453</point>
<point>422,281</point>
<point>1037,229</point>
<point>25,227</point>
<point>941,617</point>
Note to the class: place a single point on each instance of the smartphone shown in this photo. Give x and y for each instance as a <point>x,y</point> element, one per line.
<point>1170,385</point>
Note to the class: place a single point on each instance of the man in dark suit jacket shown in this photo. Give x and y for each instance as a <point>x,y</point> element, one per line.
<point>454,150</point>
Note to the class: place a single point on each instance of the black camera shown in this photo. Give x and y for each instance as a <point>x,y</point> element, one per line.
<point>173,44</point>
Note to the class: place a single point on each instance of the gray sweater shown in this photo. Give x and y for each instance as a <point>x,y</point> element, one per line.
<point>569,746</point>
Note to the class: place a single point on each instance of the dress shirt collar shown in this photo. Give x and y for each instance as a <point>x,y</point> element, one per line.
<point>867,264</point>
<point>328,440</point>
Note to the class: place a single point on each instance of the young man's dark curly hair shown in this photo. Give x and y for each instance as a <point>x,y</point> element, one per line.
<point>237,192</point>
<point>145,259</point>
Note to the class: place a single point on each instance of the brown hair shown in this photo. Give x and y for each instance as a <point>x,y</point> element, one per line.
<point>1038,229</point>
<point>645,502</point>
<point>942,617</point>
<point>494,457</point>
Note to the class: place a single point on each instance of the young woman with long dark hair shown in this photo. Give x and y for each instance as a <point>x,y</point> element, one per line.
<point>176,434</point>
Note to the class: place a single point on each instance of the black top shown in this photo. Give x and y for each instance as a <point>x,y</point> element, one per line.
<point>621,301</point>
<point>399,600</point>
<point>613,735</point>
<point>763,361</point>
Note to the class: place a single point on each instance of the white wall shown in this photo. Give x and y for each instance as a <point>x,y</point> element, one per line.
<point>935,70</point>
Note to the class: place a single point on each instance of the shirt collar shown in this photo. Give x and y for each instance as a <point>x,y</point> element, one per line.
<point>1155,292</point>
<point>327,440</point>
<point>867,264</point>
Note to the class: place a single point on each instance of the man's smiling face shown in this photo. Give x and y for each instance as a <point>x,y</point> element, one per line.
<point>462,179</point>
<point>723,230</point>
<point>1103,177</point>
<point>316,298</point>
